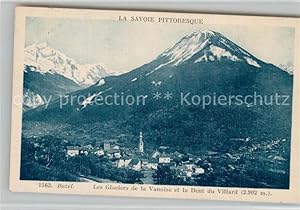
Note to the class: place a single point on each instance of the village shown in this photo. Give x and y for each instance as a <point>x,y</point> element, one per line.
<point>136,159</point>
<point>118,159</point>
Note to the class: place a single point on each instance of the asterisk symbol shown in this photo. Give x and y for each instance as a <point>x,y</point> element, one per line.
<point>157,95</point>
<point>156,84</point>
<point>168,95</point>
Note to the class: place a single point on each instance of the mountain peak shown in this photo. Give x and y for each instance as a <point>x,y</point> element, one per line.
<point>41,44</point>
<point>206,33</point>
<point>47,59</point>
<point>187,47</point>
<point>210,46</point>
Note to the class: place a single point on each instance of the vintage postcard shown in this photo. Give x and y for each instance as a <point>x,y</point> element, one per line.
<point>156,104</point>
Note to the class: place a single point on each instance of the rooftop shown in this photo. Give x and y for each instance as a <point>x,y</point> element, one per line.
<point>134,161</point>
<point>72,148</point>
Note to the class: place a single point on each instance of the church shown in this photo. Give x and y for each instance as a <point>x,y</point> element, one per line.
<point>141,143</point>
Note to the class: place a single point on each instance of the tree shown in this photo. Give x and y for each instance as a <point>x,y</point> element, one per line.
<point>50,152</point>
<point>164,175</point>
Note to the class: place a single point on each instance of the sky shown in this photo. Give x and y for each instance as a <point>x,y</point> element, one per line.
<point>122,46</point>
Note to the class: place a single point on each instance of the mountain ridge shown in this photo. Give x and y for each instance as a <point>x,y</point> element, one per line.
<point>48,59</point>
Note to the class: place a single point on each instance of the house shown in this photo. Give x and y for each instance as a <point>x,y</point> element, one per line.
<point>188,171</point>
<point>177,154</point>
<point>164,158</point>
<point>206,165</point>
<point>149,164</point>
<point>156,154</point>
<point>83,151</point>
<point>183,171</point>
<point>212,153</point>
<point>152,165</point>
<point>192,157</point>
<point>107,145</point>
<point>113,153</point>
<point>163,149</point>
<point>123,162</point>
<point>72,151</point>
<point>88,147</point>
<point>199,162</point>
<point>127,151</point>
<point>145,162</point>
<point>182,168</point>
<point>116,147</point>
<point>135,164</point>
<point>117,154</point>
<point>98,151</point>
<point>198,170</point>
<point>189,165</point>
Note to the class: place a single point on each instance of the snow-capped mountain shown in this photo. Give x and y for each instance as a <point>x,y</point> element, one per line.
<point>209,46</point>
<point>46,59</point>
<point>91,73</point>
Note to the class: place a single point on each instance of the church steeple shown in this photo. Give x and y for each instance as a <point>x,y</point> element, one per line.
<point>141,143</point>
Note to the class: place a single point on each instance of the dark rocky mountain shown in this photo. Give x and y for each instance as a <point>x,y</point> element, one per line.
<point>201,63</point>
<point>41,87</point>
